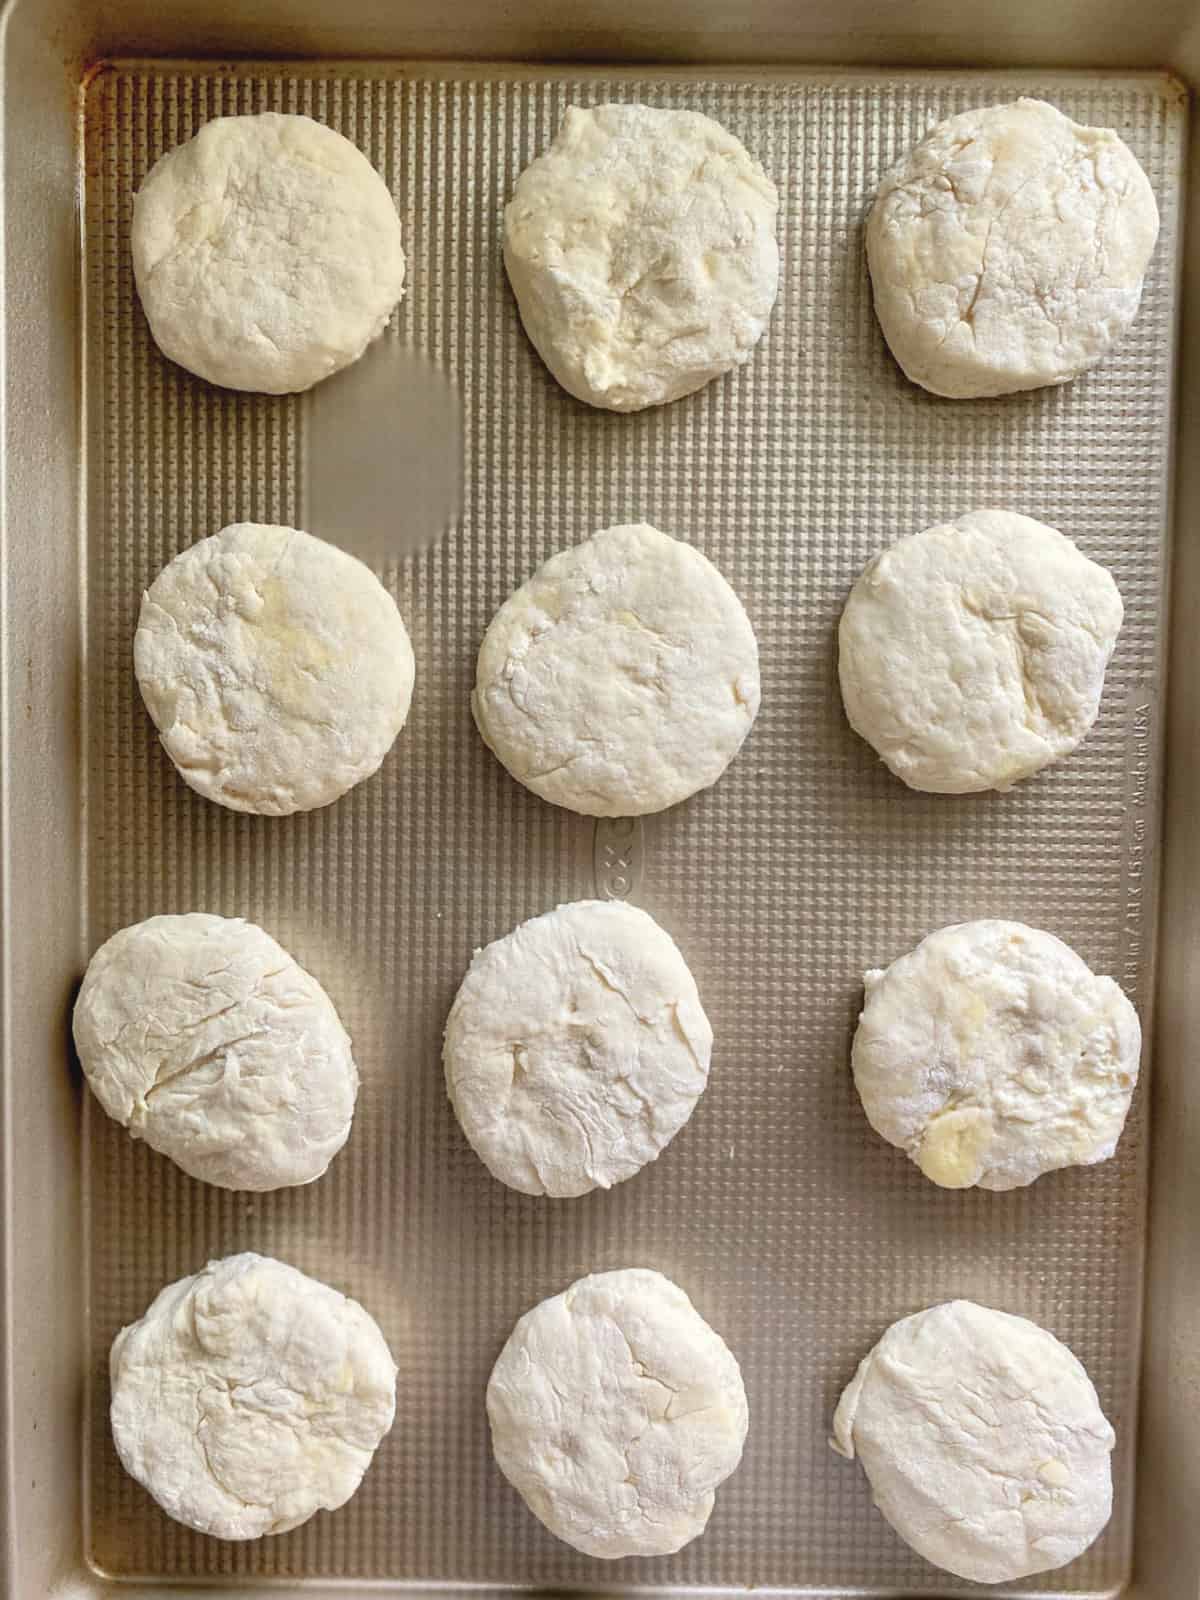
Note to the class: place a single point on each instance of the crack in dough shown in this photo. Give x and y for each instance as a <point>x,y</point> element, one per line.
<point>992,1054</point>
<point>973,654</point>
<point>983,1441</point>
<point>576,1049</point>
<point>277,668</point>
<point>249,1397</point>
<point>266,252</point>
<point>616,1413</point>
<point>240,1072</point>
<point>641,249</point>
<point>603,681</point>
<point>1007,250</point>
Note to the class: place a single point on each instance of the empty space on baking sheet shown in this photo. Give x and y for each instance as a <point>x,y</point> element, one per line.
<point>799,1235</point>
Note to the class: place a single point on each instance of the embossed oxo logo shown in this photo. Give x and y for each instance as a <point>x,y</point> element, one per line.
<point>617,856</point>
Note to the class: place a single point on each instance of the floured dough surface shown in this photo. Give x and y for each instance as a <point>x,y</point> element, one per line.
<point>1007,250</point>
<point>203,1037</point>
<point>621,678</point>
<point>249,1397</point>
<point>641,249</point>
<point>973,654</point>
<point>267,252</point>
<point>576,1048</point>
<point>616,1413</point>
<point>983,1441</point>
<point>992,1054</point>
<point>276,667</point>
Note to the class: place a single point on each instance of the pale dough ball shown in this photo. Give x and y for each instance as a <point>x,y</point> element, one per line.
<point>267,252</point>
<point>276,667</point>
<point>616,1414</point>
<point>641,249</point>
<point>249,1397</point>
<point>1007,250</point>
<point>203,1037</point>
<point>973,654</point>
<point>983,1442</point>
<point>576,1048</point>
<point>992,1053</point>
<point>621,678</point>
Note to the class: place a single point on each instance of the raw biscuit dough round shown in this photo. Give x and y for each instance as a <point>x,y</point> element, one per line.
<point>203,1037</point>
<point>983,1441</point>
<point>621,678</point>
<point>616,1414</point>
<point>249,1397</point>
<point>576,1048</point>
<point>973,654</point>
<point>266,252</point>
<point>1007,250</point>
<point>641,249</point>
<point>992,1054</point>
<point>276,667</point>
